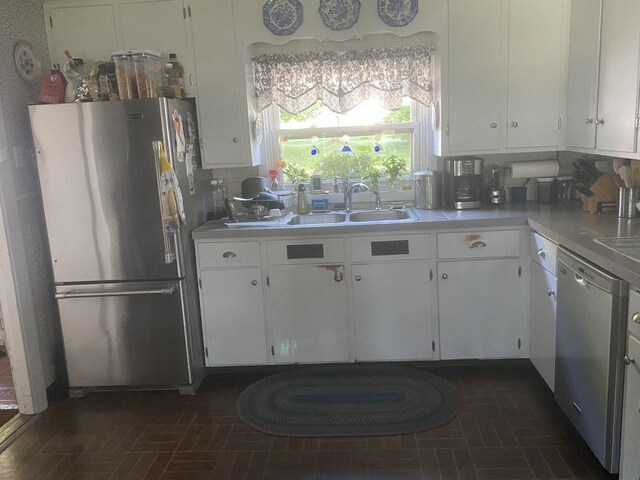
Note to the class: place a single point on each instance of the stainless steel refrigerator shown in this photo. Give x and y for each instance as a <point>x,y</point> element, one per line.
<point>122,257</point>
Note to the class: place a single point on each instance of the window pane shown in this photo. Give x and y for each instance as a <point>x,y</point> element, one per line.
<point>330,159</point>
<point>367,113</point>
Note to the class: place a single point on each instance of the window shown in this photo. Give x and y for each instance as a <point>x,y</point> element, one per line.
<point>355,110</point>
<point>368,142</point>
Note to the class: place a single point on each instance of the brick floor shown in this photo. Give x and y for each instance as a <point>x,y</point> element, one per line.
<point>508,428</point>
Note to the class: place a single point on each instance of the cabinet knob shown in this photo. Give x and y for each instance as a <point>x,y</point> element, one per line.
<point>236,139</point>
<point>494,125</point>
<point>599,121</point>
<point>628,360</point>
<point>254,282</point>
<point>445,276</point>
<point>229,255</point>
<point>358,278</point>
<point>636,317</point>
<point>542,253</point>
<point>588,121</point>
<point>514,124</point>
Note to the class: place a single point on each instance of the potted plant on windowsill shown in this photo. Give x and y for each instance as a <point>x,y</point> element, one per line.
<point>394,167</point>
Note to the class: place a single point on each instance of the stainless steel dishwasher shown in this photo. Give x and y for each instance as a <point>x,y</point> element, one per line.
<point>590,338</point>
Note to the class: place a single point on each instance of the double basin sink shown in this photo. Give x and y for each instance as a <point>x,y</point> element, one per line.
<point>368,216</point>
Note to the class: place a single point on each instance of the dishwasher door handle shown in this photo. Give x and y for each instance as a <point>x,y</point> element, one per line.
<point>581,280</point>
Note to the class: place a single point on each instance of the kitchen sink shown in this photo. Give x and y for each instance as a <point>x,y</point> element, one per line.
<point>318,218</point>
<point>382,216</point>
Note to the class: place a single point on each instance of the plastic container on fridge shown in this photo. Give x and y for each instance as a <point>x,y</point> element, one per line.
<point>125,75</point>
<point>148,65</point>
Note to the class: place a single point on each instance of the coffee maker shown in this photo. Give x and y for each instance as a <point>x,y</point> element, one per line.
<point>463,185</point>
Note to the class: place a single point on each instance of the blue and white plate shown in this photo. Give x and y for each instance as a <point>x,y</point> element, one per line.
<point>339,14</point>
<point>397,13</point>
<point>282,17</point>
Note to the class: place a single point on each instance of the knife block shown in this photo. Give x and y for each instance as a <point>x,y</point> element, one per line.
<point>604,190</point>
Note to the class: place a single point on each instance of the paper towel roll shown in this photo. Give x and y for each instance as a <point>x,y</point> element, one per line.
<point>537,169</point>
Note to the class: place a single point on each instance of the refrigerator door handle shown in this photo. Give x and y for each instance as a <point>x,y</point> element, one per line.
<point>169,229</point>
<point>121,293</point>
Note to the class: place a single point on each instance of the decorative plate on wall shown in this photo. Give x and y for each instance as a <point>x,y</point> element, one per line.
<point>282,17</point>
<point>397,13</point>
<point>339,14</point>
<point>27,62</point>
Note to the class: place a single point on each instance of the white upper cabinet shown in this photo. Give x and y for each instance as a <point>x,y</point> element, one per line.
<point>142,23</point>
<point>603,76</point>
<point>87,31</point>
<point>506,70</point>
<point>218,94</point>
<point>584,61</point>
<point>618,86</point>
<point>475,38</point>
<point>535,73</point>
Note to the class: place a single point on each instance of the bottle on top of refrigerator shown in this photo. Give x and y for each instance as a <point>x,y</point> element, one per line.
<point>171,82</point>
<point>173,58</point>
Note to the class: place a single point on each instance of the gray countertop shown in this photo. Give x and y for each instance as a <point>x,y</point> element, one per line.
<point>566,225</point>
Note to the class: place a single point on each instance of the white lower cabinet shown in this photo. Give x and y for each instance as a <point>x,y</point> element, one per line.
<point>308,313</point>
<point>233,317</point>
<point>542,322</point>
<point>630,462</point>
<point>392,311</point>
<point>478,308</point>
<point>630,450</point>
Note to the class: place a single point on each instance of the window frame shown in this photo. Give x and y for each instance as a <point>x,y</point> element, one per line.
<point>419,126</point>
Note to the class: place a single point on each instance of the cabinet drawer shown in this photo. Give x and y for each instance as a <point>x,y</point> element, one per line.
<point>544,252</point>
<point>228,254</point>
<point>385,247</point>
<point>293,252</point>
<point>505,243</point>
<point>634,311</point>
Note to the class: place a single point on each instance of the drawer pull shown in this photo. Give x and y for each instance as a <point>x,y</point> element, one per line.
<point>229,255</point>
<point>358,278</point>
<point>636,317</point>
<point>478,244</point>
<point>542,253</point>
<point>628,360</point>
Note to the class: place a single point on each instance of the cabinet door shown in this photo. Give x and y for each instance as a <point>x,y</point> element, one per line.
<point>234,331</point>
<point>392,311</point>
<point>218,98</point>
<point>474,75</point>
<point>158,25</point>
<point>88,32</point>
<point>535,73</point>
<point>618,86</point>
<point>584,60</point>
<point>478,304</point>
<point>630,455</point>
<point>308,313</point>
<point>542,318</point>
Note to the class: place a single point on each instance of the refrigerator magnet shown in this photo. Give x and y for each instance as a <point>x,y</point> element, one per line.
<point>181,146</point>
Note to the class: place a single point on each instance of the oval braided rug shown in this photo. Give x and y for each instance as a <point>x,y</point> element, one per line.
<point>348,400</point>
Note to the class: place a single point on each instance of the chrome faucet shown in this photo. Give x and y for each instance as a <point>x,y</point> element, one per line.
<point>348,193</point>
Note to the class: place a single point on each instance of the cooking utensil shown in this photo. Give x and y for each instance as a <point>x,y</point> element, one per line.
<point>635,173</point>
<point>625,175</point>
<point>617,164</point>
<point>252,185</point>
<point>267,199</point>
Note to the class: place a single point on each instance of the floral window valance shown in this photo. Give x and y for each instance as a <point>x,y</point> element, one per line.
<point>344,80</point>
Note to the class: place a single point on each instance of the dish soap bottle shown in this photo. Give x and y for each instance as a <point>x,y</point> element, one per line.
<point>303,204</point>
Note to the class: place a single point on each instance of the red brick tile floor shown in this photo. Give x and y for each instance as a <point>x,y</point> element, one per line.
<point>508,428</point>
<point>8,402</point>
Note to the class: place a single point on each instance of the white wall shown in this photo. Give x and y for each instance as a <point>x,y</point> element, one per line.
<point>24,20</point>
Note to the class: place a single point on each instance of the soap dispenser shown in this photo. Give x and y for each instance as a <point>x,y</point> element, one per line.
<point>303,203</point>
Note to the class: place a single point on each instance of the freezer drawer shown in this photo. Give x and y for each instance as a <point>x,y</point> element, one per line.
<point>124,334</point>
